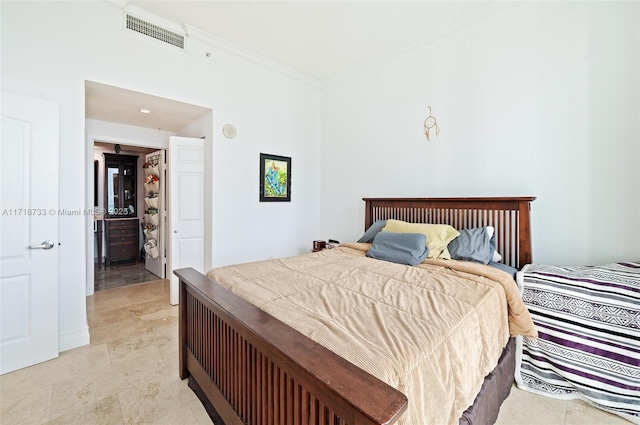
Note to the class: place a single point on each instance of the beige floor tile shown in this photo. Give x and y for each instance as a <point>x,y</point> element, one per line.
<point>163,330</point>
<point>179,415</point>
<point>83,360</point>
<point>28,408</point>
<point>32,378</point>
<point>79,392</point>
<point>74,394</point>
<point>123,349</point>
<point>199,412</point>
<point>169,354</point>
<point>148,307</point>
<point>112,316</point>
<point>165,314</point>
<point>104,297</point>
<point>101,303</point>
<point>105,411</point>
<point>524,408</point>
<point>582,413</point>
<point>162,401</point>
<point>105,333</point>
<point>153,335</point>
<point>69,365</point>
<point>148,291</point>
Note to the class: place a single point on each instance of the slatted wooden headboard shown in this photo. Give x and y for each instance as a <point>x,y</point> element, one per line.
<point>508,215</point>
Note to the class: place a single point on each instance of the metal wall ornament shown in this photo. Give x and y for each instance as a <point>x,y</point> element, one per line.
<point>429,123</point>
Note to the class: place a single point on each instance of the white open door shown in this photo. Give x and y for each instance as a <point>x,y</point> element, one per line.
<point>186,163</point>
<point>28,232</point>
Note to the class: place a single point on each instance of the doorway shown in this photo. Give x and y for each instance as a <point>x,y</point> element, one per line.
<point>115,115</point>
<point>112,271</point>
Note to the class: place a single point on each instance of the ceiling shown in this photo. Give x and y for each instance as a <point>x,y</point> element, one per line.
<point>122,106</point>
<point>322,40</point>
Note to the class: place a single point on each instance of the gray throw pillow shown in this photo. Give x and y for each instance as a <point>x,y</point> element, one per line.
<point>473,245</point>
<point>372,231</point>
<point>505,268</point>
<point>402,248</point>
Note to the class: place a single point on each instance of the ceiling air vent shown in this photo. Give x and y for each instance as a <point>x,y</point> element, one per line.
<point>155,31</point>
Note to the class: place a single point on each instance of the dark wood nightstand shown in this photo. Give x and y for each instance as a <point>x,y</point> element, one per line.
<point>327,246</point>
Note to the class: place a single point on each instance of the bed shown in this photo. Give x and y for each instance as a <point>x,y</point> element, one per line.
<point>248,366</point>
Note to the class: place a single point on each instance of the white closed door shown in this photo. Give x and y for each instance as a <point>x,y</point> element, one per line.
<point>28,232</point>
<point>186,163</point>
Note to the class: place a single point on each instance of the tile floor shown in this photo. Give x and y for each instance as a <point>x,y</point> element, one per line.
<point>129,375</point>
<point>120,273</point>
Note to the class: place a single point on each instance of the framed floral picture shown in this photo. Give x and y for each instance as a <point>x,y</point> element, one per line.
<point>275,178</point>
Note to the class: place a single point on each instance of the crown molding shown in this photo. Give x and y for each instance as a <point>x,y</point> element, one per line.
<point>119,4</point>
<point>208,38</point>
<point>478,15</point>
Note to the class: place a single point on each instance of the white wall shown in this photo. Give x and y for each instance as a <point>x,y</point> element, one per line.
<point>50,48</point>
<point>541,99</point>
<point>127,134</point>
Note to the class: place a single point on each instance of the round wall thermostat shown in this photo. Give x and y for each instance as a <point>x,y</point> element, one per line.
<point>229,131</point>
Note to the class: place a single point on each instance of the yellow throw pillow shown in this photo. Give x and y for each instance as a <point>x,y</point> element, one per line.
<point>438,235</point>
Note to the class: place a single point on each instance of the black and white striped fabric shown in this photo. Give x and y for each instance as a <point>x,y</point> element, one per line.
<point>588,320</point>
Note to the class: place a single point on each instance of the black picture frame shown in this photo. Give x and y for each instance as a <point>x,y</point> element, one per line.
<point>275,178</point>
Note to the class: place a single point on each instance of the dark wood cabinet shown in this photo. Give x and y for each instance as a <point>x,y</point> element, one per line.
<point>122,239</point>
<point>120,185</point>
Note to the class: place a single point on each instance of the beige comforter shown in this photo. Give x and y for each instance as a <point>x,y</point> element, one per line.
<point>432,331</point>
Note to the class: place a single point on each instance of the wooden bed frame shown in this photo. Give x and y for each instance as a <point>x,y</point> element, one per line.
<point>253,369</point>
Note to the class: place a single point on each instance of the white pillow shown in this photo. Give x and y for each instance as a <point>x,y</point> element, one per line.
<point>496,255</point>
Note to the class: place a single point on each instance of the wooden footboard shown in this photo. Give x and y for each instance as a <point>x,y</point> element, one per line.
<point>256,370</point>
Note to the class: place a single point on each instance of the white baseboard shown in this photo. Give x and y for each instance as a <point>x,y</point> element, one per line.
<point>73,339</point>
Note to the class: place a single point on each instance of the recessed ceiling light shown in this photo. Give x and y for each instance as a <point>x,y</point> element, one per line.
<point>145,111</point>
